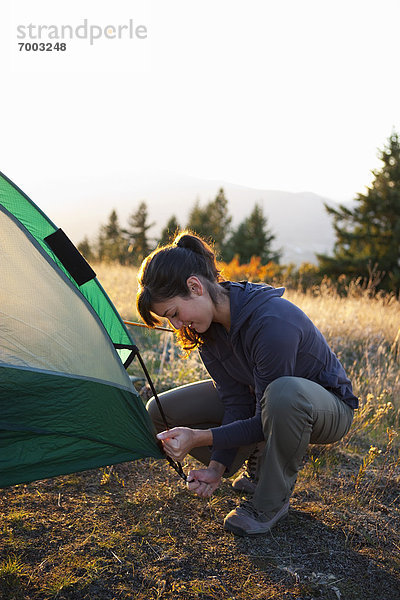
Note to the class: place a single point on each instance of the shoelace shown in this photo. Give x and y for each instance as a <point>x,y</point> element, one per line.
<point>251,466</point>
<point>248,507</point>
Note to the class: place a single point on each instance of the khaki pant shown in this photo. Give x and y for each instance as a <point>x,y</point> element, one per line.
<point>294,411</point>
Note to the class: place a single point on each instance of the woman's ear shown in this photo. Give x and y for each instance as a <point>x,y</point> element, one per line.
<point>194,285</point>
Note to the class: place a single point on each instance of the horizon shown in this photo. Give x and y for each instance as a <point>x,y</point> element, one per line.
<point>298,237</point>
<point>269,96</point>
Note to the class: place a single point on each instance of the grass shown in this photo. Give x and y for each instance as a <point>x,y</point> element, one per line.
<point>133,531</point>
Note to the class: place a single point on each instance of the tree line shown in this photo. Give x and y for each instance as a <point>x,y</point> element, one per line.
<point>367,245</point>
<point>130,244</point>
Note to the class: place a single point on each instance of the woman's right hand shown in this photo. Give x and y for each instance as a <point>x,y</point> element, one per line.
<point>179,441</point>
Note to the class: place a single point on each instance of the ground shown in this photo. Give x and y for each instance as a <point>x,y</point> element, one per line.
<point>134,531</point>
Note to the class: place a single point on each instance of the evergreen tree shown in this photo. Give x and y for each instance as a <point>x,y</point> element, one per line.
<point>220,220</point>
<point>368,235</point>
<point>212,222</point>
<point>198,220</point>
<point>111,243</point>
<point>169,231</point>
<point>138,242</point>
<point>85,249</point>
<point>253,238</point>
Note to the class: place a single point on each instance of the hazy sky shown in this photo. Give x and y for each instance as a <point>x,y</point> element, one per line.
<point>294,95</point>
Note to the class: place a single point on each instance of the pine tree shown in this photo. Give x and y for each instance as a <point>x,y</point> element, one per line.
<point>212,222</point>
<point>139,245</point>
<point>85,249</point>
<point>253,238</point>
<point>111,243</point>
<point>198,220</point>
<point>220,220</point>
<point>368,235</point>
<point>169,231</point>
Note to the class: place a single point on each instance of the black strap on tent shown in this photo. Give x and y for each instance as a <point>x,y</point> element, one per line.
<point>70,257</point>
<point>135,352</point>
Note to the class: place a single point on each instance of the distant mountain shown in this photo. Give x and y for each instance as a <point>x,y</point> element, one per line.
<point>299,220</point>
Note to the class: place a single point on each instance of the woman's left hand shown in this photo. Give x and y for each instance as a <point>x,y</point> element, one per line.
<point>177,442</point>
<point>204,482</point>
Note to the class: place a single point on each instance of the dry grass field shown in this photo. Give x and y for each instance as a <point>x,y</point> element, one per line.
<point>133,531</point>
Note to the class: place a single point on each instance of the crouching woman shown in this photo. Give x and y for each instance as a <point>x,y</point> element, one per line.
<point>275,386</point>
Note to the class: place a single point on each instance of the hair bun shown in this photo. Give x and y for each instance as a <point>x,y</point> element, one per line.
<point>185,241</point>
<point>204,252</point>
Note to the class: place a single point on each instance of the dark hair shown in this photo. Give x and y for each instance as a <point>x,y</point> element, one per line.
<point>164,273</point>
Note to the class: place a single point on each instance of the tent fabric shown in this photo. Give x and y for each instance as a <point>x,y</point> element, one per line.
<point>58,320</point>
<point>66,401</point>
<point>39,226</point>
<point>55,425</point>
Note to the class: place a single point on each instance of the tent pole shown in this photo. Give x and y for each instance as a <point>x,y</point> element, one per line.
<point>147,327</point>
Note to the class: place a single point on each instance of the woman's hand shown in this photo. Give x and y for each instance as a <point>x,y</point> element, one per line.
<point>204,482</point>
<point>178,442</point>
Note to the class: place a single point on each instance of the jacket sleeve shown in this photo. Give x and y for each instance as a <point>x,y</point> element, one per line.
<point>240,425</point>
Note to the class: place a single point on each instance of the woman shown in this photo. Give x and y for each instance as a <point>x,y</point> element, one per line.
<point>276,386</point>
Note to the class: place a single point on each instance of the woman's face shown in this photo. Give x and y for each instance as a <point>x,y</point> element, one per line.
<point>195,311</point>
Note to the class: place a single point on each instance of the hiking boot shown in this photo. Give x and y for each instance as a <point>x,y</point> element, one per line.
<point>245,520</point>
<point>246,482</point>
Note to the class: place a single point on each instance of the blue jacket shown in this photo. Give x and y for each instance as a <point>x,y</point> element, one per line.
<point>269,337</point>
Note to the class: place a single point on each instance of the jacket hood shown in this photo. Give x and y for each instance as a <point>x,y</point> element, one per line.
<point>245,297</point>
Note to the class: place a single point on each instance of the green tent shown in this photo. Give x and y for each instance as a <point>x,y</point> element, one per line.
<point>66,401</point>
